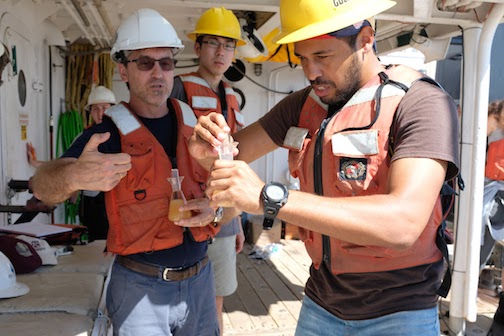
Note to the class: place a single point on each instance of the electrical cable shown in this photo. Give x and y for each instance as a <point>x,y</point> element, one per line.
<point>258,84</point>
<point>242,96</point>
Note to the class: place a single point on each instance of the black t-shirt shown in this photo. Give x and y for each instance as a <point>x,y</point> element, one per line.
<point>165,131</point>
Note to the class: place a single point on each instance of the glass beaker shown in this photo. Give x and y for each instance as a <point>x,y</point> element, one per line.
<point>226,153</point>
<point>178,199</point>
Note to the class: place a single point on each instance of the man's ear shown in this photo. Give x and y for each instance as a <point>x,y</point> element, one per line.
<point>122,72</point>
<point>365,39</point>
<point>197,49</point>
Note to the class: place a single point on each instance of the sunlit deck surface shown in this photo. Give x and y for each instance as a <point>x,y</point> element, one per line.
<point>270,292</point>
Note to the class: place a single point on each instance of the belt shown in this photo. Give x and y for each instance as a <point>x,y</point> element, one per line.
<point>165,273</point>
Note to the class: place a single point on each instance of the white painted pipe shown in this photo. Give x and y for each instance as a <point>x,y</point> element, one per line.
<point>471,37</point>
<point>469,219</point>
<point>78,21</point>
<point>477,180</point>
<point>99,21</point>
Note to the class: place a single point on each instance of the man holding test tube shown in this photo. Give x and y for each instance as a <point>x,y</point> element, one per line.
<point>216,36</point>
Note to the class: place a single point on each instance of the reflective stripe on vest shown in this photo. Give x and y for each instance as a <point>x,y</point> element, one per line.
<point>204,100</point>
<point>123,119</point>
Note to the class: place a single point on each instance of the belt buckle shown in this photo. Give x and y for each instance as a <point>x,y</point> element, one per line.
<point>168,269</point>
<point>165,273</point>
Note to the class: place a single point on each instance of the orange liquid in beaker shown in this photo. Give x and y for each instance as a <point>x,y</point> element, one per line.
<point>174,214</point>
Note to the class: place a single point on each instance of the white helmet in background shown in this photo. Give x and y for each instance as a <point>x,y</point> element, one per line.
<point>101,95</point>
<point>145,28</point>
<point>9,287</point>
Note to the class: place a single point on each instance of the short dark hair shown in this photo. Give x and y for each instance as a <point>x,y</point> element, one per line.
<point>350,40</point>
<point>199,39</point>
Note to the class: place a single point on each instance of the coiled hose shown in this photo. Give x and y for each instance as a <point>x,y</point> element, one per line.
<point>69,127</point>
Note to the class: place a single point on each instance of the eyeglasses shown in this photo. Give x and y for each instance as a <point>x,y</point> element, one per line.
<point>146,63</point>
<point>229,46</point>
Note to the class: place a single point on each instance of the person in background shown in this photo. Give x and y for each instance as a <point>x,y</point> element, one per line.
<point>372,146</point>
<point>99,100</point>
<point>161,281</point>
<point>493,205</point>
<point>92,211</point>
<point>216,36</point>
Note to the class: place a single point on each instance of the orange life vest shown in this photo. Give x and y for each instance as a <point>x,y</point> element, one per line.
<point>494,168</point>
<point>137,208</point>
<point>355,162</point>
<point>204,100</point>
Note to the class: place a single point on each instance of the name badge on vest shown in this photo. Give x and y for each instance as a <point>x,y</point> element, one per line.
<point>353,147</point>
<point>294,139</point>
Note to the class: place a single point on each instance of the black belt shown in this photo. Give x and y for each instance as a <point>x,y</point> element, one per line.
<point>165,273</point>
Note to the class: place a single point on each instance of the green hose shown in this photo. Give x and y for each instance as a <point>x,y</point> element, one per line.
<point>69,127</point>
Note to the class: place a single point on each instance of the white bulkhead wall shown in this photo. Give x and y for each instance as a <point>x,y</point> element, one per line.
<point>23,27</point>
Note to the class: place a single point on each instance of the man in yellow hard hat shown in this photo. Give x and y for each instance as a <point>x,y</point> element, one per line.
<point>371,145</point>
<point>216,36</point>
<point>161,282</point>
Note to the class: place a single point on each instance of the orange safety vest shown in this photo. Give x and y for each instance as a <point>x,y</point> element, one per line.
<point>494,168</point>
<point>137,208</point>
<point>356,163</point>
<point>204,100</point>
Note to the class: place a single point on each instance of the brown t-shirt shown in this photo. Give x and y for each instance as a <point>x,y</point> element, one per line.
<point>426,126</point>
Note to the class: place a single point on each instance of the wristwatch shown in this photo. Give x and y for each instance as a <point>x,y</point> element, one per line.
<point>219,212</point>
<point>274,197</point>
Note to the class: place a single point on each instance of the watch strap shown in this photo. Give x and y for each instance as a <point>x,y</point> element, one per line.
<point>268,223</point>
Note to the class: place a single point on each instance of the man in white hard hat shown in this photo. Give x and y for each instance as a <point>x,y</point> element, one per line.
<point>99,100</point>
<point>371,145</point>
<point>92,212</point>
<point>216,36</point>
<point>161,281</point>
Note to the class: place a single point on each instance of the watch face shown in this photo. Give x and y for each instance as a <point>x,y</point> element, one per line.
<point>275,192</point>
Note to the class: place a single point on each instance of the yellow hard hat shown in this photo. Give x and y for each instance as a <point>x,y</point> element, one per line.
<point>304,19</point>
<point>218,22</point>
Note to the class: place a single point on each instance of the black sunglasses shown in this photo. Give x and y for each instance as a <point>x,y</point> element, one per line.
<point>146,63</point>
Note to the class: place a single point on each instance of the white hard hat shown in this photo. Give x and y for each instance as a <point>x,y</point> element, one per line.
<point>101,95</point>
<point>9,287</point>
<point>145,28</point>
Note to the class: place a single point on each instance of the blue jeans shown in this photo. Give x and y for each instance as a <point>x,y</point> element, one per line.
<point>316,321</point>
<point>141,305</point>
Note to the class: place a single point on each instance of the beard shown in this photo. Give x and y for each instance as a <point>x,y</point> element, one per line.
<point>352,84</point>
<point>152,96</point>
